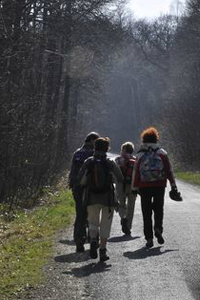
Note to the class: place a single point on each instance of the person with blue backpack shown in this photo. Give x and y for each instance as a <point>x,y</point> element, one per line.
<point>97,177</point>
<point>151,171</point>
<point>79,156</point>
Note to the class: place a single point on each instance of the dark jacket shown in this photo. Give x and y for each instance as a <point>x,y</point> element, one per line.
<point>79,156</point>
<point>105,198</point>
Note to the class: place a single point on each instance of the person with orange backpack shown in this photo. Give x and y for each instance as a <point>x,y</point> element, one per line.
<point>126,198</point>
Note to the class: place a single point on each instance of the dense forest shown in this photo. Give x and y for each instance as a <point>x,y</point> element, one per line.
<point>68,67</point>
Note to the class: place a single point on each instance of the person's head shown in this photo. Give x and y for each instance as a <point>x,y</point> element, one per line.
<point>150,135</point>
<point>127,147</point>
<point>91,137</point>
<point>102,144</point>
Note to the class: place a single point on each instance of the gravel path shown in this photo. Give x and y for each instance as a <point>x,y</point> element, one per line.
<point>168,272</point>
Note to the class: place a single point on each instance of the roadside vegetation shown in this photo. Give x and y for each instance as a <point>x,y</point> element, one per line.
<point>26,242</point>
<point>27,237</point>
<point>191,177</point>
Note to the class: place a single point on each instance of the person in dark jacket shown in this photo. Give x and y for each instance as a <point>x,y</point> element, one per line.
<point>79,156</point>
<point>151,171</point>
<point>100,196</point>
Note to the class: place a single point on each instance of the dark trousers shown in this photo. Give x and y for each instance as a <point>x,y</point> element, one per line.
<point>81,216</point>
<point>152,200</point>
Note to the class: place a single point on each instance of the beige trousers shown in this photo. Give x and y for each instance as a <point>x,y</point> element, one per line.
<point>100,219</point>
<point>126,203</point>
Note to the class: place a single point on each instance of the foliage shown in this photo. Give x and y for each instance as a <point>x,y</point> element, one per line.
<point>70,67</point>
<point>191,177</point>
<point>182,94</point>
<point>26,243</point>
<point>50,52</point>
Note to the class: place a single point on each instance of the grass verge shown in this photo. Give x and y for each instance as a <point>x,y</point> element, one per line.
<point>191,177</point>
<point>26,243</point>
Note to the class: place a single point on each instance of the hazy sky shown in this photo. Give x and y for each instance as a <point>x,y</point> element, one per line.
<point>150,8</point>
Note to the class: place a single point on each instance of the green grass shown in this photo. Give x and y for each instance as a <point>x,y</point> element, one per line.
<point>191,177</point>
<point>26,243</point>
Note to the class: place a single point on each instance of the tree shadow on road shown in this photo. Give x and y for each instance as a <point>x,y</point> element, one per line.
<point>123,238</point>
<point>144,252</point>
<point>87,270</point>
<point>73,257</point>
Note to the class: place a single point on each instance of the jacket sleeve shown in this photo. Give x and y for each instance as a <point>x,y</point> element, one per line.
<point>169,171</point>
<point>71,177</point>
<point>135,175</point>
<point>116,172</point>
<point>82,176</point>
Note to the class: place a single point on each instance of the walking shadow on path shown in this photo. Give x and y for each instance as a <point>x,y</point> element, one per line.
<point>122,238</point>
<point>73,257</point>
<point>145,252</point>
<point>87,270</point>
<point>67,242</point>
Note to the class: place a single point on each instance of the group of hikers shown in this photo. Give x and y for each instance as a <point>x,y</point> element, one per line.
<point>101,185</point>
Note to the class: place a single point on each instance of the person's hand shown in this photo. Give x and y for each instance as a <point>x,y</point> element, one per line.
<point>174,194</point>
<point>174,188</point>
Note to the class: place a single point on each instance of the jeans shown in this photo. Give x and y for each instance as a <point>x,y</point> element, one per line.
<point>152,201</point>
<point>81,216</point>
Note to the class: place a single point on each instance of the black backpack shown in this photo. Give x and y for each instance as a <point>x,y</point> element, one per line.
<point>99,178</point>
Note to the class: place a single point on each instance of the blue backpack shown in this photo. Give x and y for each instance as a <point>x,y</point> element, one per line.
<point>151,166</point>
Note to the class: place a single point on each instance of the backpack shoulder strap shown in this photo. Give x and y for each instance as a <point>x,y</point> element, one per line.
<point>90,163</point>
<point>156,149</point>
<point>149,149</point>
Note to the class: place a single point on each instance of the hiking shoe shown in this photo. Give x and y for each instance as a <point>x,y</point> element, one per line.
<point>80,247</point>
<point>128,232</point>
<point>160,240</point>
<point>149,243</point>
<point>159,237</point>
<point>103,255</point>
<point>93,249</point>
